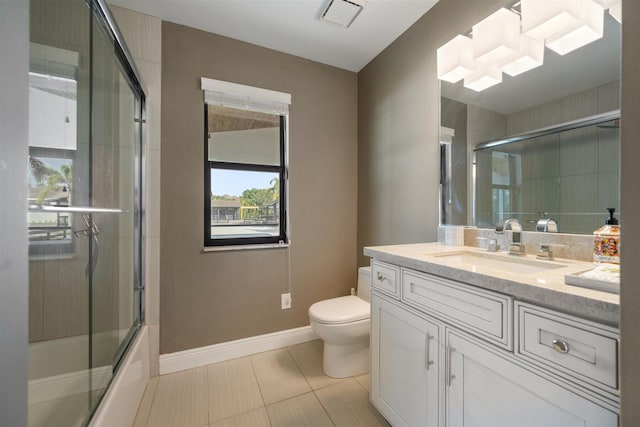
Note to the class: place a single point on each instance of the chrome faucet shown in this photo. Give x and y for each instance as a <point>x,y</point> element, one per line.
<point>516,247</point>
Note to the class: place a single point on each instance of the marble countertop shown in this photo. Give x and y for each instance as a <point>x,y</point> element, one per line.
<point>545,288</point>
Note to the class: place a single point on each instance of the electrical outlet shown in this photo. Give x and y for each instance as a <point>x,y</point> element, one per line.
<point>286,301</point>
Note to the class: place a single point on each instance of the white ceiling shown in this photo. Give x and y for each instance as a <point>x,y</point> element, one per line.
<point>293,26</point>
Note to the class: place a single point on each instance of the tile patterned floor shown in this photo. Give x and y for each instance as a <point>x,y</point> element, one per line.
<point>280,388</point>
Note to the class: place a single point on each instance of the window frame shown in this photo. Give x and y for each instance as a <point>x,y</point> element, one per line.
<point>282,170</point>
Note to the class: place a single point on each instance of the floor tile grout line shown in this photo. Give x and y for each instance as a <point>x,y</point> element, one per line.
<point>296,365</point>
<point>153,399</point>
<point>242,413</point>
<point>323,407</point>
<point>361,385</point>
<point>211,420</point>
<point>206,370</point>
<point>299,368</point>
<point>255,377</point>
<point>339,380</point>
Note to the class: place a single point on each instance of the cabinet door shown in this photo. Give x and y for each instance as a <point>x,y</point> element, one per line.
<point>405,365</point>
<point>486,389</point>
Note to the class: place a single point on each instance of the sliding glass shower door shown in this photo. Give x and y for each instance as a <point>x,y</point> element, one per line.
<point>84,209</point>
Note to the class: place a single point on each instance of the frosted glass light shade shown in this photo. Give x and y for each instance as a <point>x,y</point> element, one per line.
<point>530,55</point>
<point>616,12</point>
<point>484,77</point>
<point>495,38</point>
<point>565,24</point>
<point>608,3</point>
<point>588,30</point>
<point>455,59</point>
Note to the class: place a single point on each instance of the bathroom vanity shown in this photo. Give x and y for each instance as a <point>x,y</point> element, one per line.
<point>463,337</point>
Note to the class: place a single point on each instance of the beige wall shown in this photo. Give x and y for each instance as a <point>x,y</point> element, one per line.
<point>208,298</point>
<point>630,204</point>
<point>398,123</point>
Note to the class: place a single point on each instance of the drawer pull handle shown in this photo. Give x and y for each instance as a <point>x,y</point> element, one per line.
<point>380,276</point>
<point>447,371</point>
<point>427,360</point>
<point>560,346</point>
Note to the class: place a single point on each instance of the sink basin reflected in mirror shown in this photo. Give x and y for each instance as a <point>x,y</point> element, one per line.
<point>497,262</point>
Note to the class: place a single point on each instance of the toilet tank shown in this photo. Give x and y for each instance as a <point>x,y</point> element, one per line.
<point>364,283</point>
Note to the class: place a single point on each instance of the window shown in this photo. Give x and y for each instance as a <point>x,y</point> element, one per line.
<point>245,166</point>
<point>505,180</point>
<point>53,129</point>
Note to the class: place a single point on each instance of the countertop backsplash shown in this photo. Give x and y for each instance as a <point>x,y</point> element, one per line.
<point>568,246</point>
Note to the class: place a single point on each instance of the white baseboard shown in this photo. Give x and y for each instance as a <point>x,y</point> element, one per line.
<point>64,385</point>
<point>201,356</point>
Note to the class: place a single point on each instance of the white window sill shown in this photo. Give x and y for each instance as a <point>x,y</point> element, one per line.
<point>245,247</point>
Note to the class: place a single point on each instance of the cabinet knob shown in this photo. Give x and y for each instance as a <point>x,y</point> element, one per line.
<point>560,346</point>
<point>380,276</point>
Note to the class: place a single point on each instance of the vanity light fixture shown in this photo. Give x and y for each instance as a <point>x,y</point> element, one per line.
<point>616,12</point>
<point>608,3</point>
<point>511,43</point>
<point>455,59</point>
<point>614,6</point>
<point>497,41</point>
<point>530,55</point>
<point>495,38</point>
<point>483,78</point>
<point>565,25</point>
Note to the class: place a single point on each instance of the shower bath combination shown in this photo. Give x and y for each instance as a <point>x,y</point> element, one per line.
<point>84,209</point>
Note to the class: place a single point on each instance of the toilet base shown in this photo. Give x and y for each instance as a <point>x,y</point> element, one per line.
<point>346,360</point>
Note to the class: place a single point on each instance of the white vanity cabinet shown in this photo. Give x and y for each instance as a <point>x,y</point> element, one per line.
<point>405,360</point>
<point>448,354</point>
<point>485,387</point>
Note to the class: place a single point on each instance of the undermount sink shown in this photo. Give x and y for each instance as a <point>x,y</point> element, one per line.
<point>511,264</point>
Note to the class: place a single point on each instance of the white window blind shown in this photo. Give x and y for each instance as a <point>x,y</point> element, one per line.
<point>233,95</point>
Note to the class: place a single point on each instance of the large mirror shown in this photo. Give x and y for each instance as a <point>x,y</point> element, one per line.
<point>543,144</point>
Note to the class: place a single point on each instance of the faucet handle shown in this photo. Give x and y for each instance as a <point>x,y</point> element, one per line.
<point>544,252</point>
<point>516,248</point>
<point>492,244</point>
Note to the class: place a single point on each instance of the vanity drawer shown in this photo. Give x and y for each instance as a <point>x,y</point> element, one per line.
<point>385,278</point>
<point>575,347</point>
<point>484,313</point>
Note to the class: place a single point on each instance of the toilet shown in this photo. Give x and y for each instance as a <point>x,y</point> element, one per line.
<point>344,324</point>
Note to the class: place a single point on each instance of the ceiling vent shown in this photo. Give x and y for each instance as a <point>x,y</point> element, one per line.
<point>342,12</point>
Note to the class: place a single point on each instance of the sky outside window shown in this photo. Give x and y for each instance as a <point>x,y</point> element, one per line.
<point>234,183</point>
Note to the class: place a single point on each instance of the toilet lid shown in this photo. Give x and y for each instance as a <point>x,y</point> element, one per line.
<point>340,310</point>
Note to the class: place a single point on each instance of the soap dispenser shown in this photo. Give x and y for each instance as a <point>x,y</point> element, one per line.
<point>606,241</point>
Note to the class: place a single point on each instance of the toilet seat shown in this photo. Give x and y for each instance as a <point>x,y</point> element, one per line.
<point>340,310</point>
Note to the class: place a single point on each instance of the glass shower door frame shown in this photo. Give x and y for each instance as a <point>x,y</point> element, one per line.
<point>103,16</point>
